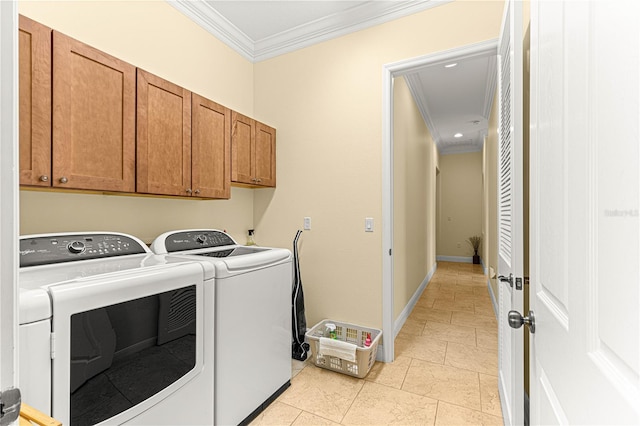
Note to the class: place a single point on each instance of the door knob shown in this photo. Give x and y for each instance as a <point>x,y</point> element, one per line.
<point>516,320</point>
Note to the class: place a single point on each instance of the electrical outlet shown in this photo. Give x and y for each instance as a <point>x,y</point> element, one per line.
<point>459,245</point>
<point>307,224</point>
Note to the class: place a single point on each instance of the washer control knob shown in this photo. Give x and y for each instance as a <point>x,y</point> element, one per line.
<point>201,238</point>
<point>76,247</point>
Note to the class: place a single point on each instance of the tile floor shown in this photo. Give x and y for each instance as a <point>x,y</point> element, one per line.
<point>444,373</point>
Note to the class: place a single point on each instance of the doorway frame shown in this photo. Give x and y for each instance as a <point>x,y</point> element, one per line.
<point>389,72</point>
<point>9,194</point>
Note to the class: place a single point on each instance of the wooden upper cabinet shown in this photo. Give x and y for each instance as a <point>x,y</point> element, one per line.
<point>253,156</point>
<point>94,101</point>
<point>164,137</point>
<point>210,148</point>
<point>242,148</point>
<point>265,155</point>
<point>35,102</point>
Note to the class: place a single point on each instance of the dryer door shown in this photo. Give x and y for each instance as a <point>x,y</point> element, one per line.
<point>123,342</point>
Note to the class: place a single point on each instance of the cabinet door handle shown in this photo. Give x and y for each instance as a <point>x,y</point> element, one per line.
<point>64,180</point>
<point>258,180</point>
<point>197,191</point>
<point>44,178</point>
<point>188,190</point>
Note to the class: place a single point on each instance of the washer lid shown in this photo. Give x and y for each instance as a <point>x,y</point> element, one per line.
<point>33,277</point>
<point>34,281</point>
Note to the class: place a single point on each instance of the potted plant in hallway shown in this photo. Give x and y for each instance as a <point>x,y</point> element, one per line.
<point>475,244</point>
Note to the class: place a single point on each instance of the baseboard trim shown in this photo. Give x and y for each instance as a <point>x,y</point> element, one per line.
<point>459,259</point>
<point>402,318</point>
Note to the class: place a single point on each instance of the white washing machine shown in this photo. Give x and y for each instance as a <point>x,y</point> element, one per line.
<point>111,333</point>
<point>253,319</point>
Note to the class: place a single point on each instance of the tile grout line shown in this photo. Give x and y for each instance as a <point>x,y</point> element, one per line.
<point>406,373</point>
<point>467,408</point>
<point>479,391</point>
<point>354,400</point>
<point>299,414</point>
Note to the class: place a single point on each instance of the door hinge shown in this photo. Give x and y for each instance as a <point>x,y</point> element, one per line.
<point>10,401</point>
<point>52,345</point>
<point>389,252</point>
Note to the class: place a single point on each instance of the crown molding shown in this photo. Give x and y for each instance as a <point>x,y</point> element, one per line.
<point>459,148</point>
<point>213,22</point>
<point>492,81</point>
<point>351,20</point>
<point>415,88</point>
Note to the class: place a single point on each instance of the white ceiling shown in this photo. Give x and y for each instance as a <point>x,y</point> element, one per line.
<point>456,100</point>
<point>451,100</point>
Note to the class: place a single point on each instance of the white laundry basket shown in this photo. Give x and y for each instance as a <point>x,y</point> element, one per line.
<point>365,356</point>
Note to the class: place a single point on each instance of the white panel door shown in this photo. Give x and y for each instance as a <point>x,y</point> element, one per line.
<point>510,218</point>
<point>8,195</point>
<point>585,185</point>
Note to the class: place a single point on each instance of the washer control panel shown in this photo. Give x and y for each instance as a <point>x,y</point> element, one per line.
<point>197,239</point>
<point>49,249</point>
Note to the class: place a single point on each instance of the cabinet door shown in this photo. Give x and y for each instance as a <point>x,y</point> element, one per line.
<point>242,148</point>
<point>164,136</point>
<point>35,102</point>
<point>210,146</point>
<point>265,155</point>
<point>93,118</point>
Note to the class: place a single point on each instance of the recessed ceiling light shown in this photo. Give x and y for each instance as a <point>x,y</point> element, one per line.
<point>451,65</point>
<point>458,135</point>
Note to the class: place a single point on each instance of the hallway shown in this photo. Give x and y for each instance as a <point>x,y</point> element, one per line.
<point>444,373</point>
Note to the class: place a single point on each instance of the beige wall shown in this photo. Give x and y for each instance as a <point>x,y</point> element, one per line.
<point>326,102</point>
<point>490,229</point>
<point>144,217</point>
<point>154,36</point>
<point>460,203</point>
<point>414,177</point>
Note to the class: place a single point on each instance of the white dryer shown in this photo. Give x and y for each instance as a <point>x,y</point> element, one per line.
<point>111,333</point>
<point>253,318</point>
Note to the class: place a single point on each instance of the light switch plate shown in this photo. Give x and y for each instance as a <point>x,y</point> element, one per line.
<point>368,224</point>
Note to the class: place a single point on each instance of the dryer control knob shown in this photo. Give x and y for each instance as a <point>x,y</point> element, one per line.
<point>76,247</point>
<point>201,238</point>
